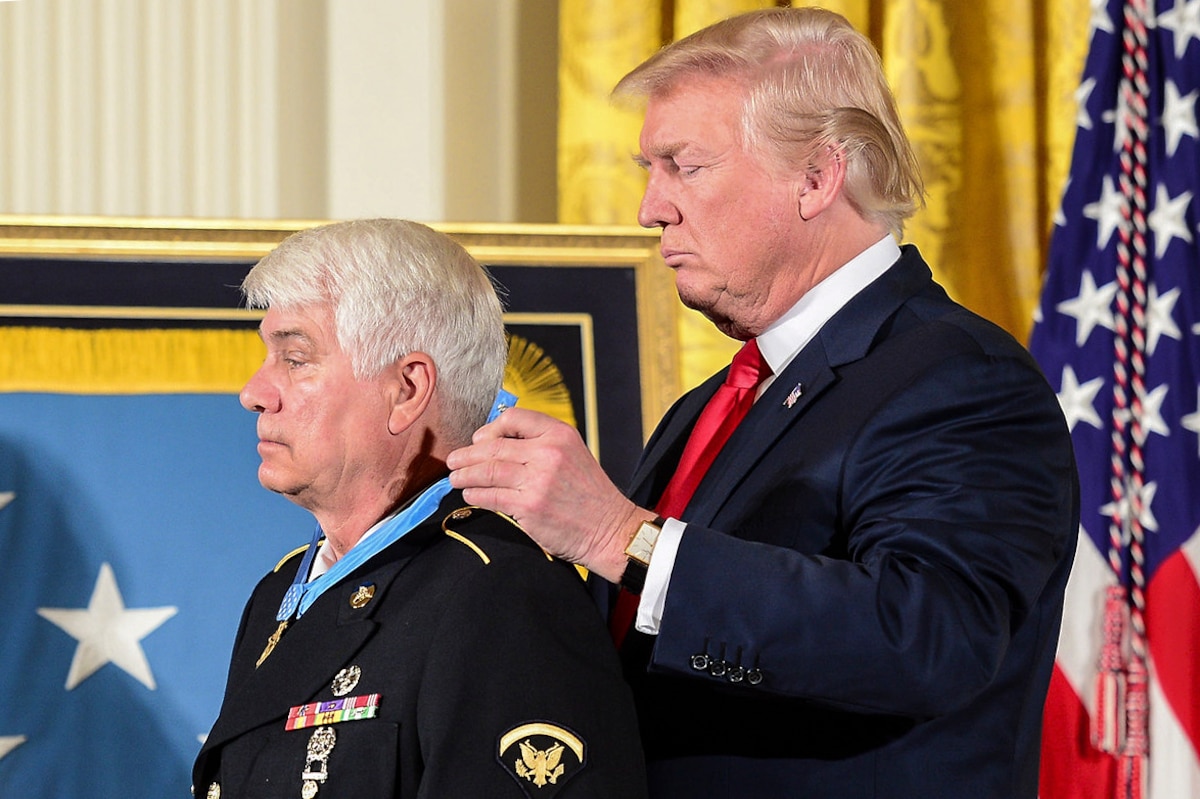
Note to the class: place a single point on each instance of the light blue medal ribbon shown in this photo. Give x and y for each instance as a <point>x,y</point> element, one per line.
<point>392,531</point>
<point>503,402</point>
<point>302,593</point>
<point>291,599</point>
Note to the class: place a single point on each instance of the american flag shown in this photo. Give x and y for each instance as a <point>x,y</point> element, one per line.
<point>1118,335</point>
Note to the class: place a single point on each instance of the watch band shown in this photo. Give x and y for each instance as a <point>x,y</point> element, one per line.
<point>633,579</point>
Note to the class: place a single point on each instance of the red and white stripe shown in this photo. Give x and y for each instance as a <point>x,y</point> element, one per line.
<point>1071,767</point>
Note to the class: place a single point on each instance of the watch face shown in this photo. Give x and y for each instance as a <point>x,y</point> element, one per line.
<point>638,550</point>
<point>642,545</point>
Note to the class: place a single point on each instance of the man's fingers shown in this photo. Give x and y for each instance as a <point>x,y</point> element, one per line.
<point>485,498</point>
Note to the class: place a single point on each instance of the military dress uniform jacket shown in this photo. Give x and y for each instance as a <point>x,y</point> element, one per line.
<point>492,673</point>
<point>867,600</point>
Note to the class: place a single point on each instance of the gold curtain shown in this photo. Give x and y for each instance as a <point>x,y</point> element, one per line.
<point>985,89</point>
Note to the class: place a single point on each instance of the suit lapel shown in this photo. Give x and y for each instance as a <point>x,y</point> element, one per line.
<point>847,337</point>
<point>780,407</point>
<point>666,445</point>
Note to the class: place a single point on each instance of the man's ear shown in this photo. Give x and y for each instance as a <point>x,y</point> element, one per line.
<point>822,182</point>
<point>413,379</point>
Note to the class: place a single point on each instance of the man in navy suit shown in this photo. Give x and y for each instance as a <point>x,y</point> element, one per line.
<point>862,596</point>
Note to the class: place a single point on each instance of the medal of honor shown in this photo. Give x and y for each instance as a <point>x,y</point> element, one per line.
<point>271,643</point>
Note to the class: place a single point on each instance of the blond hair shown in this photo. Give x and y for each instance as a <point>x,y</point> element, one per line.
<point>811,81</point>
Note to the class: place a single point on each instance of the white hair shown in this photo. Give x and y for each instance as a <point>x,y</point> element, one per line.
<point>396,287</point>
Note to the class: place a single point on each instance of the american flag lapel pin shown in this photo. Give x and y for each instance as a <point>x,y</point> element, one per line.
<point>795,395</point>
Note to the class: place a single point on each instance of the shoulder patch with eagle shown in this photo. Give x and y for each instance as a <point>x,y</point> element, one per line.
<point>541,757</point>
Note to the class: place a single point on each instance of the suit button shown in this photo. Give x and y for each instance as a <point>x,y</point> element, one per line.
<point>754,677</point>
<point>737,674</point>
<point>718,668</point>
<point>700,662</point>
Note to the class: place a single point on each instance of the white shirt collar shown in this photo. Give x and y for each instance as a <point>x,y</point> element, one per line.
<point>325,558</point>
<point>789,334</point>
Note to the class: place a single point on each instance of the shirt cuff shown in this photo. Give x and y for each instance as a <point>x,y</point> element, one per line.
<point>658,578</point>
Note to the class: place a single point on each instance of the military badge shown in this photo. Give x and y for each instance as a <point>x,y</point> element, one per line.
<point>345,680</point>
<point>362,596</point>
<point>316,767</point>
<point>541,757</point>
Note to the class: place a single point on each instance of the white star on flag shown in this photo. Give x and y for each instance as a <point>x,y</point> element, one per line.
<point>6,497</point>
<point>1184,22</point>
<point>9,743</point>
<point>1099,19</point>
<point>1166,220</point>
<point>1179,116</point>
<point>108,632</point>
<point>1118,117</point>
<point>1160,320</point>
<point>1091,307</point>
<point>1082,118</point>
<point>1107,211</point>
<point>1122,511</point>
<point>1079,401</point>
<point>1151,413</point>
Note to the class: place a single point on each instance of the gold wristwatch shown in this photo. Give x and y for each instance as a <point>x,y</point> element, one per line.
<point>638,553</point>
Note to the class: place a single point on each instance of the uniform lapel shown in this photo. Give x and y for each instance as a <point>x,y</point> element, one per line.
<point>312,650</point>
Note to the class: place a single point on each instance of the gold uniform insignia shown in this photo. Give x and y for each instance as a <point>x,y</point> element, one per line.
<point>540,766</point>
<point>361,597</point>
<point>541,757</point>
<point>272,642</point>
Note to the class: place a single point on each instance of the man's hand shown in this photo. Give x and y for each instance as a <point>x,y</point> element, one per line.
<point>538,471</point>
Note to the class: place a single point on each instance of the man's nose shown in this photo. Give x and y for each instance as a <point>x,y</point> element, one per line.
<point>656,209</point>
<point>258,395</point>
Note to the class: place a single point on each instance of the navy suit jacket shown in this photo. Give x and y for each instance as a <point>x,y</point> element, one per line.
<point>867,600</point>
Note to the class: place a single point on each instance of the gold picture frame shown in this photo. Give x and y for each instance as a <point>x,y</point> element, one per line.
<point>557,263</point>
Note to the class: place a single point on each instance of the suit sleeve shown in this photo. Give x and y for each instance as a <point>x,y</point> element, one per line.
<point>953,504</point>
<point>522,672</point>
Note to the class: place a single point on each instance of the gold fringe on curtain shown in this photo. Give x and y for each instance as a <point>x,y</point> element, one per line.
<point>188,361</point>
<point>176,361</point>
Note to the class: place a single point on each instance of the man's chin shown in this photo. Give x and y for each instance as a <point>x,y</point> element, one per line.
<point>719,321</point>
<point>278,485</point>
<point>690,300</point>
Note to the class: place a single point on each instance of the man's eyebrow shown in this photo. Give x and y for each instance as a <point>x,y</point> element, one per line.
<point>666,150</point>
<point>286,334</point>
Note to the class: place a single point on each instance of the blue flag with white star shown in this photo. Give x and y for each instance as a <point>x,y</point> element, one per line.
<point>132,530</point>
<point>1118,335</point>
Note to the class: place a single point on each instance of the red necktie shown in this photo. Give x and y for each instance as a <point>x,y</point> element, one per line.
<point>716,423</point>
